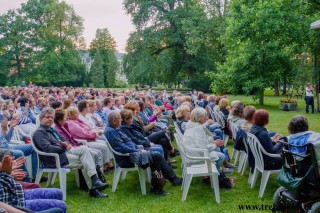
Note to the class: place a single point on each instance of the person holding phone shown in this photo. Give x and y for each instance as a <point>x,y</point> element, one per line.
<point>309,98</point>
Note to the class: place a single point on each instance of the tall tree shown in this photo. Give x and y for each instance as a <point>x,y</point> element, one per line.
<point>96,72</point>
<point>106,45</point>
<point>262,38</point>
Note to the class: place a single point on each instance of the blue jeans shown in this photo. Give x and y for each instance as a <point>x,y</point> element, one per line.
<point>219,162</point>
<point>26,150</point>
<point>309,101</point>
<point>157,148</point>
<point>215,128</point>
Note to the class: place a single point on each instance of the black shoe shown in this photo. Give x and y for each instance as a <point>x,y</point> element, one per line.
<point>97,194</point>
<point>162,193</point>
<point>175,153</point>
<point>177,181</point>
<point>98,184</point>
<point>173,166</point>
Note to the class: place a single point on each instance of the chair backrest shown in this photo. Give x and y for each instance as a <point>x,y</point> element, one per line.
<point>234,129</point>
<point>256,150</point>
<point>178,129</point>
<point>114,151</point>
<point>16,138</point>
<point>219,118</point>
<point>211,113</point>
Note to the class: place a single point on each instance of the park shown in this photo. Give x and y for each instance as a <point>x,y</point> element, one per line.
<point>262,53</point>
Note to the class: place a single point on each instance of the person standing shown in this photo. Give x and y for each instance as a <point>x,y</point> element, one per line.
<point>309,98</point>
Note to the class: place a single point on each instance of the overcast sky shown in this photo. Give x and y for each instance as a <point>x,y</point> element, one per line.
<point>96,14</point>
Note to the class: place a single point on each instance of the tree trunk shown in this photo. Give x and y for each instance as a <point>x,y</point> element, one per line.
<point>261,96</point>
<point>284,90</point>
<point>276,88</point>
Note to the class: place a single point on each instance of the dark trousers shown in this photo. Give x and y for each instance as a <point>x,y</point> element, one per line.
<point>161,139</point>
<point>309,101</point>
<point>160,164</point>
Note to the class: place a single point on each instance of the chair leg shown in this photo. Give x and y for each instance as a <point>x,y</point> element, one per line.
<point>254,177</point>
<point>63,183</point>
<point>237,154</point>
<point>148,175</point>
<point>186,185</point>
<point>53,178</point>
<point>124,175</point>
<point>264,181</point>
<point>245,165</point>
<point>226,139</point>
<point>39,175</point>
<point>117,173</point>
<point>242,159</point>
<point>142,179</point>
<point>215,185</point>
<point>233,153</point>
<point>77,177</point>
<point>50,177</point>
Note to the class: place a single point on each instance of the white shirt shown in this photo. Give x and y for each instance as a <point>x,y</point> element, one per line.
<point>309,91</point>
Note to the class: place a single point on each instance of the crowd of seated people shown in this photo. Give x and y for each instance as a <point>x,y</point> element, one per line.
<point>65,116</point>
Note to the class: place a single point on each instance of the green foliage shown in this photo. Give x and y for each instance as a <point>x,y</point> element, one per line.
<point>105,44</point>
<point>96,72</point>
<point>173,40</point>
<point>261,37</point>
<point>200,82</point>
<point>37,42</point>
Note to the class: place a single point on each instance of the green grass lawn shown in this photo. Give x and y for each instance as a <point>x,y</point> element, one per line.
<point>128,197</point>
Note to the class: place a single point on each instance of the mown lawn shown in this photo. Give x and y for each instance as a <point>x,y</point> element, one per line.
<point>128,197</point>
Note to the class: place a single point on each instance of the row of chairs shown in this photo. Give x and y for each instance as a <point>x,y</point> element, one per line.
<point>251,142</point>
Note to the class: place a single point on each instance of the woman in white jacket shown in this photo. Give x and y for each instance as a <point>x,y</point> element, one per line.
<point>197,136</point>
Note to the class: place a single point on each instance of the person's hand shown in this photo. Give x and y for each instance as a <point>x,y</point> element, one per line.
<point>14,122</point>
<point>210,121</point>
<point>18,105</point>
<point>6,164</point>
<point>153,124</point>
<point>275,137</point>
<point>218,142</point>
<point>4,125</point>
<point>17,163</point>
<point>143,150</point>
<point>18,174</point>
<point>65,145</point>
<point>151,144</point>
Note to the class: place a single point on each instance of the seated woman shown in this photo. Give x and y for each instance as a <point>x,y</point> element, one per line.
<point>135,136</point>
<point>271,145</point>
<point>157,137</point>
<point>197,136</point>
<point>79,130</point>
<point>183,116</point>
<point>13,194</point>
<point>248,114</point>
<point>236,114</point>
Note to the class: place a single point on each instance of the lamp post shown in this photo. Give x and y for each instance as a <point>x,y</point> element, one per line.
<point>314,26</point>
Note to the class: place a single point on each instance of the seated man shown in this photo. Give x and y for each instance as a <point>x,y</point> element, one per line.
<point>48,140</point>
<point>123,144</point>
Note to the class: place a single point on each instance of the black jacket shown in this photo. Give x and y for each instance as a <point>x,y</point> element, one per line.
<point>45,141</point>
<point>135,136</point>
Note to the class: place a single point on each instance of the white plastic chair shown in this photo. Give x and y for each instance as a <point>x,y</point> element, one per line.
<point>218,116</point>
<point>202,167</point>
<point>235,153</point>
<point>118,170</point>
<point>52,172</point>
<point>258,151</point>
<point>178,131</point>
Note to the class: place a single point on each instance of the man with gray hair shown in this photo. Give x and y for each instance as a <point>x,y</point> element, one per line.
<point>48,140</point>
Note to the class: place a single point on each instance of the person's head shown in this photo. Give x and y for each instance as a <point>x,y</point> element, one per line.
<point>107,102</point>
<point>199,115</point>
<point>42,102</point>
<point>126,116</point>
<point>212,98</point>
<point>114,119</point>
<point>57,104</point>
<point>183,112</point>
<point>7,104</point>
<point>46,116</point>
<point>92,107</point>
<point>298,124</point>
<point>32,102</point>
<point>60,116</point>
<point>248,113</point>
<point>67,103</point>
<point>223,103</point>
<point>180,100</point>
<point>82,106</point>
<point>133,106</point>
<point>308,84</point>
<point>261,117</point>
<point>98,104</point>
<point>237,109</point>
<point>72,112</point>
<point>117,102</point>
<point>188,98</point>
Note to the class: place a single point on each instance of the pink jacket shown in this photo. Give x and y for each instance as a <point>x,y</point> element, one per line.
<point>79,130</point>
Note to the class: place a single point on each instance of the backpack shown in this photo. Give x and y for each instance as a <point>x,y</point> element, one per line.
<point>224,181</point>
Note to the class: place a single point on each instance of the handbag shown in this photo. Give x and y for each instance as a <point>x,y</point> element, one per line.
<point>288,181</point>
